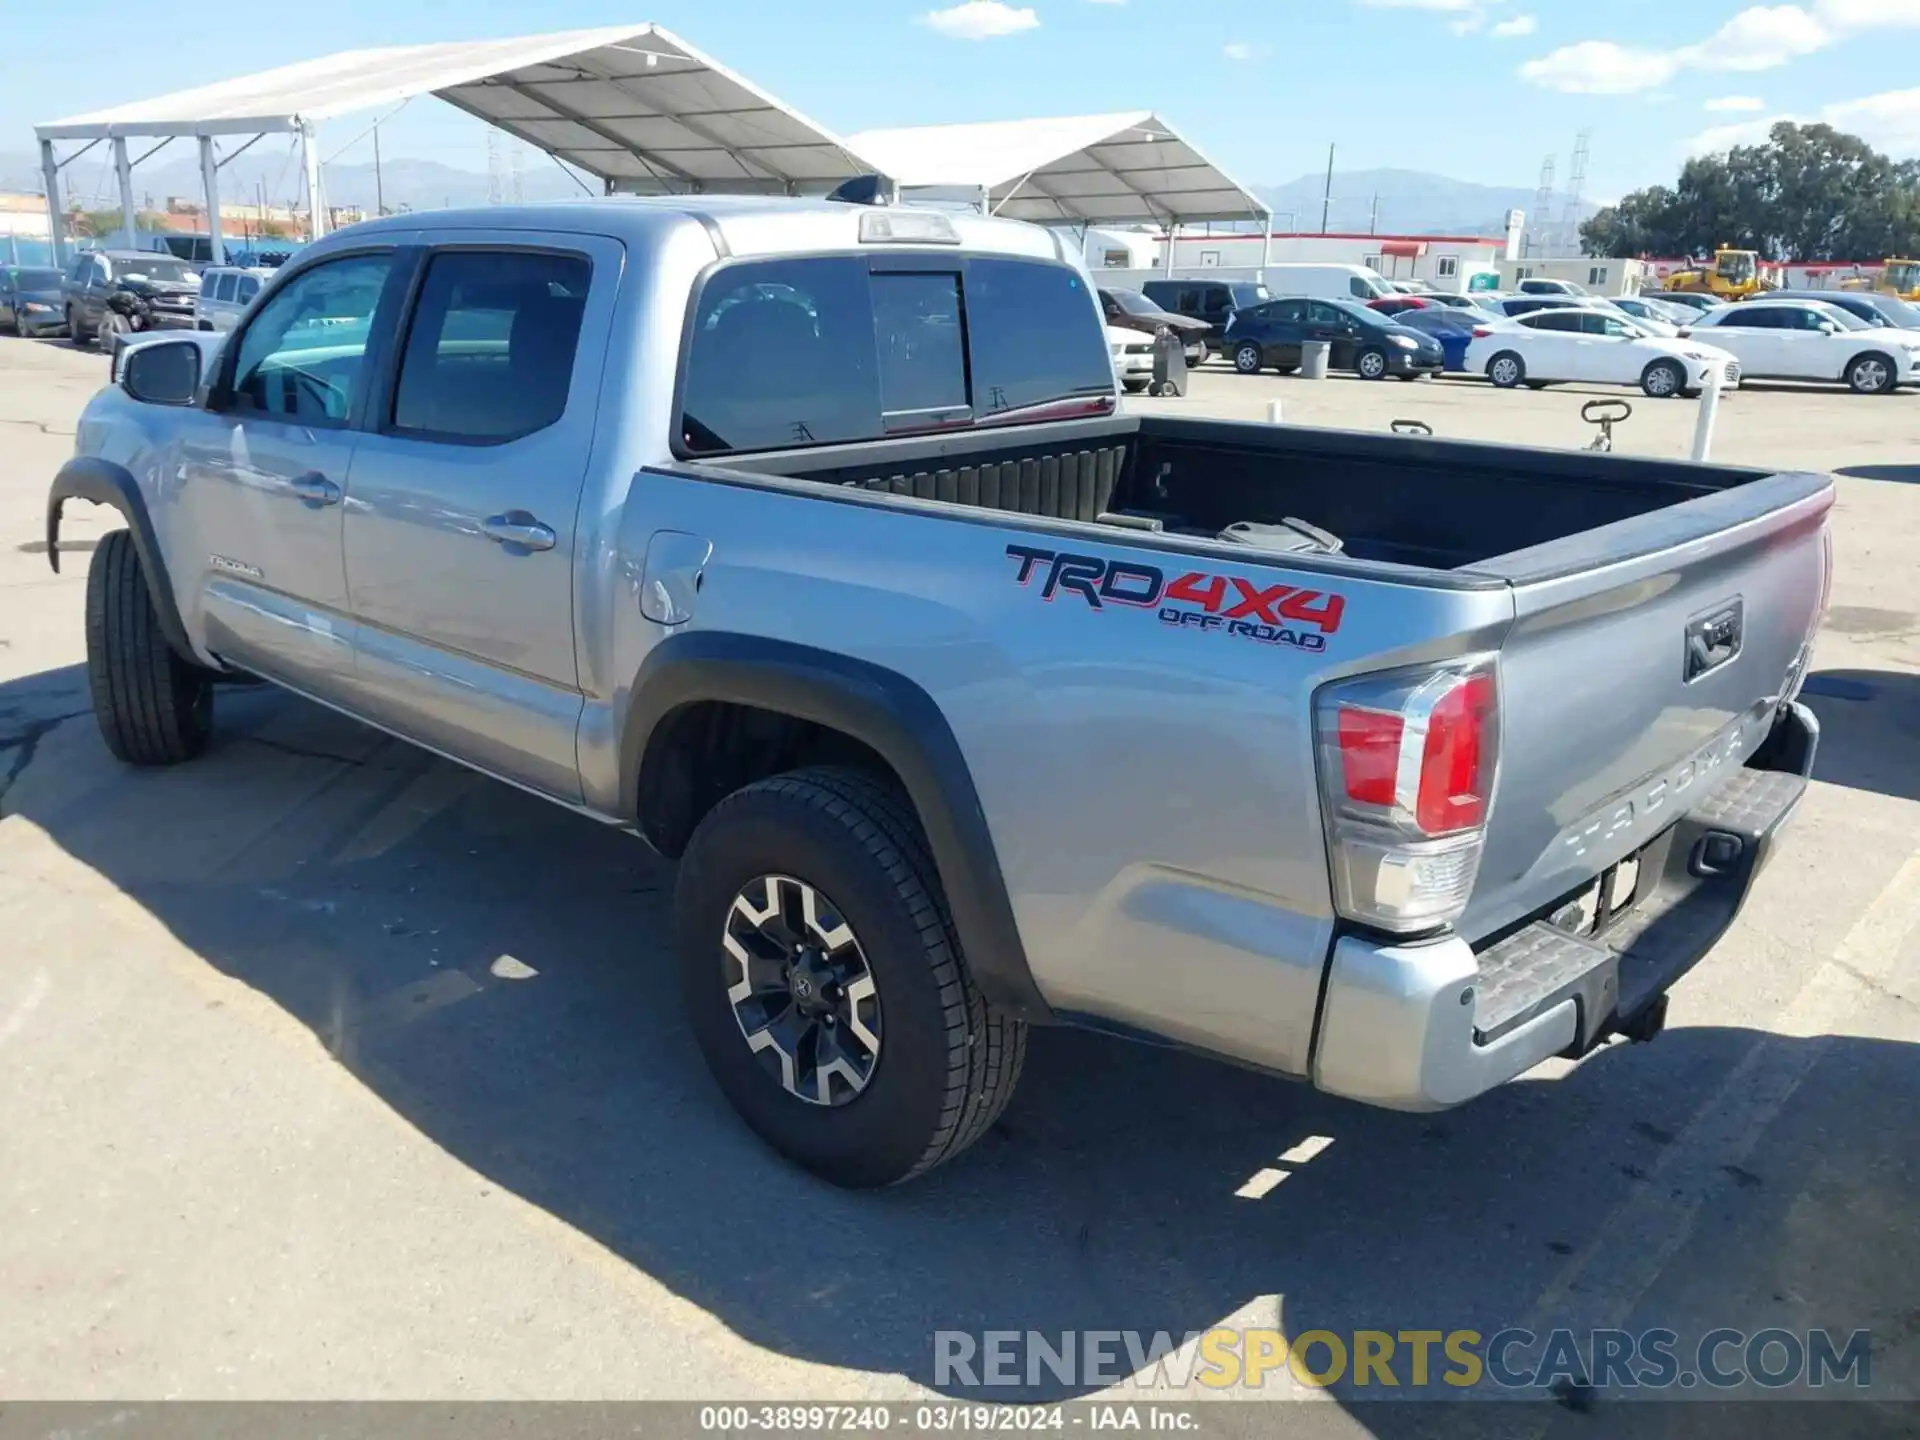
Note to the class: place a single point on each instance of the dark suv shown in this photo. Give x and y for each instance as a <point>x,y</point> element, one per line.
<point>1364,341</point>
<point>1213,301</point>
<point>1131,310</point>
<point>113,292</point>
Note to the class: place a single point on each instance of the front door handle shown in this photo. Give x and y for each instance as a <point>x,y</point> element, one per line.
<point>313,488</point>
<point>518,529</point>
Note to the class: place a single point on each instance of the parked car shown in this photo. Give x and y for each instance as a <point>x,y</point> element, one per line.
<point>1812,340</point>
<point>1132,358</point>
<point>1212,301</point>
<point>1872,306</point>
<point>224,294</point>
<point>1580,343</point>
<point>1364,341</point>
<point>1132,310</point>
<point>1696,300</point>
<point>645,524</point>
<point>1540,285</point>
<point>1514,306</point>
<point>1476,302</point>
<point>116,292</point>
<point>1648,311</point>
<point>1453,329</point>
<point>1398,304</point>
<point>30,301</point>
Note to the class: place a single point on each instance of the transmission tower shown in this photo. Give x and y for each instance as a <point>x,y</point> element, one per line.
<point>494,188</point>
<point>514,196</point>
<point>1540,230</point>
<point>1576,182</point>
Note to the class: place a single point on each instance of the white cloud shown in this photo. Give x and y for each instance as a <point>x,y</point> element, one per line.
<point>981,20</point>
<point>1237,50</point>
<point>1889,121</point>
<point>1761,38</point>
<point>1600,67</point>
<point>1728,104</point>
<point>1512,29</point>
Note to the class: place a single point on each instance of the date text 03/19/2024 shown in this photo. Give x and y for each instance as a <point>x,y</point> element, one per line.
<point>1198,599</point>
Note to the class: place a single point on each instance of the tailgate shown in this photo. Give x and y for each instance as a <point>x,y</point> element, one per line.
<point>1647,660</point>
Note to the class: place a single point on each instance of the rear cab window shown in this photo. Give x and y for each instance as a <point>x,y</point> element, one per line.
<point>816,351</point>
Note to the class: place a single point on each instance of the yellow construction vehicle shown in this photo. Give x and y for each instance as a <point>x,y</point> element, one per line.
<point>1901,278</point>
<point>1734,275</point>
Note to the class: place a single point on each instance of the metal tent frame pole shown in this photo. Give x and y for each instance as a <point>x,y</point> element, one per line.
<point>123,171</point>
<point>210,182</point>
<point>56,231</point>
<point>310,165</point>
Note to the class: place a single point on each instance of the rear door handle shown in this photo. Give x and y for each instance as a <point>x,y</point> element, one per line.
<point>313,488</point>
<point>518,528</point>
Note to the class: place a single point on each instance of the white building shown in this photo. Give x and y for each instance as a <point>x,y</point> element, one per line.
<point>1446,262</point>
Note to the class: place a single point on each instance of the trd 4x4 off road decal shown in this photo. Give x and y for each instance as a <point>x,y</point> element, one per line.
<point>1198,599</point>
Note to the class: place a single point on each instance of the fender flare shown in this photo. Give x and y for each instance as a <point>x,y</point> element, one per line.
<point>892,716</point>
<point>87,477</point>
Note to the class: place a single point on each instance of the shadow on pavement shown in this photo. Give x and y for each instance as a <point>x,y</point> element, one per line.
<point>1869,720</point>
<point>1907,474</point>
<point>494,969</point>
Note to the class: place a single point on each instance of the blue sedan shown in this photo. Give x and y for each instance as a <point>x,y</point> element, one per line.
<point>1453,328</point>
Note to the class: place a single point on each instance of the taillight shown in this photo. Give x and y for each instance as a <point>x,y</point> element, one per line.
<point>1407,764</point>
<point>1480,332</point>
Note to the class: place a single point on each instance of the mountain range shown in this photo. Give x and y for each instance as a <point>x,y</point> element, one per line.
<point>1409,202</point>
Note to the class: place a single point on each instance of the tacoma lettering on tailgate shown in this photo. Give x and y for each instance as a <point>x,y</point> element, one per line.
<point>1196,599</point>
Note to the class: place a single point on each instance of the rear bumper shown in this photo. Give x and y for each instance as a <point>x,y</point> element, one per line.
<point>1426,1025</point>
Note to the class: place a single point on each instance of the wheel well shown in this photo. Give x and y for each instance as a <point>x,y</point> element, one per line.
<point>1880,355</point>
<point>704,751</point>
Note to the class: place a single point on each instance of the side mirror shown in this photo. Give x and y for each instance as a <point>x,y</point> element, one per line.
<point>162,372</point>
<point>1827,327</point>
<point>1683,334</point>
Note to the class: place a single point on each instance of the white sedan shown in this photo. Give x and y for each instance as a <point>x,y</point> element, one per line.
<point>1812,340</point>
<point>1593,345</point>
<point>1132,352</point>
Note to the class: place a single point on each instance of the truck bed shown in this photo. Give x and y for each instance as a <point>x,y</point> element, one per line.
<point>1399,500</point>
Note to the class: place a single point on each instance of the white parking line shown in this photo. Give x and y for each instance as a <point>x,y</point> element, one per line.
<point>1635,1242</point>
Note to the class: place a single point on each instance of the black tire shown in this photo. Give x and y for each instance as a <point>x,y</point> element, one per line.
<point>947,1064</point>
<point>1246,358</point>
<point>112,325</point>
<point>1133,386</point>
<point>1538,384</point>
<point>1507,377</point>
<point>77,334</point>
<point>1872,374</point>
<point>1371,363</point>
<point>1664,379</point>
<point>153,706</point>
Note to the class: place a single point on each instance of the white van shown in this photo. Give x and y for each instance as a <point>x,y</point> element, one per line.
<point>225,293</point>
<point>1326,282</point>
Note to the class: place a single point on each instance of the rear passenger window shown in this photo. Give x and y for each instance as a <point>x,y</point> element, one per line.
<point>490,350</point>
<point>248,287</point>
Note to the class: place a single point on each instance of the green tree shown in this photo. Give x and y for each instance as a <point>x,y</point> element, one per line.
<point>1809,192</point>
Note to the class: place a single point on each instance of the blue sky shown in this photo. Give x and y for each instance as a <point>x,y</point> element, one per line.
<point>1477,89</point>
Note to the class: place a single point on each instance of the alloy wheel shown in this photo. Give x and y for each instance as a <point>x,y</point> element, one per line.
<point>801,991</point>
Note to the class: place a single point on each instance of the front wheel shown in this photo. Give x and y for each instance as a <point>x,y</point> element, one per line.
<point>153,705</point>
<point>112,324</point>
<point>1371,364</point>
<point>1872,375</point>
<point>1246,358</point>
<point>77,335</point>
<point>1507,370</point>
<point>825,985</point>
<point>1663,379</point>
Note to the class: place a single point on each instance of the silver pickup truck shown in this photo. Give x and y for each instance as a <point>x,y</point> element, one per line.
<point>807,540</point>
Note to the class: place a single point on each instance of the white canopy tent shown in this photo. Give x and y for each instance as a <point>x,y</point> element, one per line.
<point>633,105</point>
<point>1079,169</point>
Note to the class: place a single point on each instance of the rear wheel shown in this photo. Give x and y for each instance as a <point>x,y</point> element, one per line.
<point>825,985</point>
<point>1134,385</point>
<point>77,334</point>
<point>1246,358</point>
<point>1663,379</point>
<point>1371,364</point>
<point>153,706</point>
<point>1507,370</point>
<point>1872,374</point>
